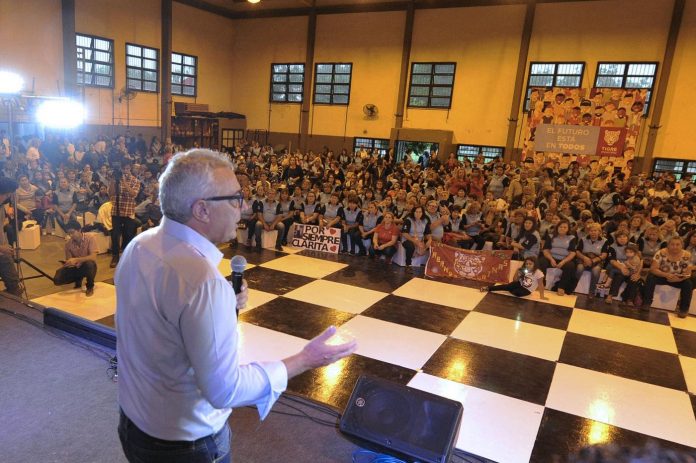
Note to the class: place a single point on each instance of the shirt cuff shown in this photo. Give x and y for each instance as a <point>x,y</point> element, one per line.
<point>277,376</point>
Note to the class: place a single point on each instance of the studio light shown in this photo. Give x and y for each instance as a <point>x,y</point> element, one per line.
<point>253,1</point>
<point>10,83</point>
<point>60,114</point>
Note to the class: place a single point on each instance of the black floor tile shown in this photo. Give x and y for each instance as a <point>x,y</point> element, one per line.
<point>333,384</point>
<point>296,318</point>
<point>686,342</point>
<point>632,362</point>
<point>274,281</point>
<point>597,304</point>
<point>252,255</point>
<point>515,375</point>
<point>562,434</point>
<point>693,403</point>
<point>524,310</point>
<point>417,314</point>
<point>107,321</point>
<point>370,275</point>
<point>109,281</point>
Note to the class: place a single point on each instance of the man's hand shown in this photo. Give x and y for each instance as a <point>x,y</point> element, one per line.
<point>72,262</point>
<point>7,250</point>
<point>243,296</point>
<point>318,354</point>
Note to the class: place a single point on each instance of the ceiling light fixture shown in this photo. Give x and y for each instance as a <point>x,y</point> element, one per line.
<point>253,1</point>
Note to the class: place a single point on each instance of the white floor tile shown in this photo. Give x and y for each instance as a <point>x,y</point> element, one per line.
<point>654,410</point>
<point>689,367</point>
<point>225,267</point>
<point>688,323</point>
<point>553,298</point>
<point>258,344</point>
<point>306,266</point>
<point>436,292</point>
<point>625,330</point>
<point>337,296</point>
<point>511,335</point>
<point>257,298</point>
<point>392,343</point>
<point>494,426</point>
<point>100,305</point>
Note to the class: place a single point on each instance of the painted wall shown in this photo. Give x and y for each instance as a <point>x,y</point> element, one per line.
<point>675,138</point>
<point>32,43</point>
<point>133,21</point>
<point>372,42</point>
<point>484,42</point>
<point>257,44</point>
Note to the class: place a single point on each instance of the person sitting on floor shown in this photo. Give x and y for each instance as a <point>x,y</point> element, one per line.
<point>385,237</point>
<point>529,279</point>
<point>8,269</point>
<point>80,259</point>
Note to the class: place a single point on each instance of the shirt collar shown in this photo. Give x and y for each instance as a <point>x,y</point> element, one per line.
<point>192,237</point>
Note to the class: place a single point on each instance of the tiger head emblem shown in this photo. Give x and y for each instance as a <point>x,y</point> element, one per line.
<point>611,136</point>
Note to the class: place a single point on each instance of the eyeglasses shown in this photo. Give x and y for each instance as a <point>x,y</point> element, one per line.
<point>239,197</point>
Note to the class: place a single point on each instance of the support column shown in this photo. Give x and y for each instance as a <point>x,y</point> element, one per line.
<point>644,163</point>
<point>519,81</point>
<point>405,60</point>
<point>69,48</point>
<point>166,74</point>
<point>308,78</point>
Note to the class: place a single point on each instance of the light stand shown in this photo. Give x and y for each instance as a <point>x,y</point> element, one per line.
<point>56,112</point>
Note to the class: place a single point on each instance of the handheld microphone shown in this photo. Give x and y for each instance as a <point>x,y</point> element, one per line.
<point>238,264</point>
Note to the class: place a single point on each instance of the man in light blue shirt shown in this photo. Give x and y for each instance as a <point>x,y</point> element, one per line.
<point>179,371</point>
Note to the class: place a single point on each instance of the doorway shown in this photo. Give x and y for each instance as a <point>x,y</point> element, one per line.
<point>417,150</point>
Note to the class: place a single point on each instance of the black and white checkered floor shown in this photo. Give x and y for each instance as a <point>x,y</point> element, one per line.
<point>536,378</point>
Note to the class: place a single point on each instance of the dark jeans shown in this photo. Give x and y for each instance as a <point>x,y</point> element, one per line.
<point>355,240</point>
<point>143,448</point>
<point>595,271</point>
<point>479,241</point>
<point>123,227</point>
<point>568,281</point>
<point>66,275</point>
<point>258,230</point>
<point>685,288</point>
<point>8,274</point>
<point>387,252</point>
<point>617,279</point>
<point>515,288</point>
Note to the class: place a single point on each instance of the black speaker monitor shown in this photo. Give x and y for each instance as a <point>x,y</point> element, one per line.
<point>411,424</point>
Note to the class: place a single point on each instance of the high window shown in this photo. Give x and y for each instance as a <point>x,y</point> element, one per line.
<point>553,75</point>
<point>472,151</point>
<point>332,83</point>
<point>431,85</point>
<point>287,83</point>
<point>640,75</point>
<point>95,61</point>
<point>184,74</point>
<point>142,68</point>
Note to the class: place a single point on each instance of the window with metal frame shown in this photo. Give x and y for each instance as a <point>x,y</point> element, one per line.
<point>432,85</point>
<point>332,83</point>
<point>231,138</point>
<point>560,74</point>
<point>470,152</point>
<point>184,74</point>
<point>287,83</point>
<point>628,75</point>
<point>380,145</point>
<point>142,68</point>
<point>678,167</point>
<point>95,61</point>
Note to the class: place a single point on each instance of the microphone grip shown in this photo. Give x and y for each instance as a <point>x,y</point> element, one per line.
<point>237,278</point>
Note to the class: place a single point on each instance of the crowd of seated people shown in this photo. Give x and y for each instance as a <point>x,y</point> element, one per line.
<point>629,231</point>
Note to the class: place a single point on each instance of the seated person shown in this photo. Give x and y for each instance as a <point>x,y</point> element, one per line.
<point>8,269</point>
<point>529,279</point>
<point>670,266</point>
<point>385,236</point>
<point>270,217</point>
<point>80,259</point>
<point>351,218</point>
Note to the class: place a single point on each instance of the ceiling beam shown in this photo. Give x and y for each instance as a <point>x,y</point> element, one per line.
<point>358,7</point>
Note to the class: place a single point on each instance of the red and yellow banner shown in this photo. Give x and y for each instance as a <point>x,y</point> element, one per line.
<point>487,266</point>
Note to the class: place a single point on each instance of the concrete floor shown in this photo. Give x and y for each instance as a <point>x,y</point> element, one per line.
<point>46,257</point>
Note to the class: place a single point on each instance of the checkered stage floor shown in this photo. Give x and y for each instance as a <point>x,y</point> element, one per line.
<point>536,378</point>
